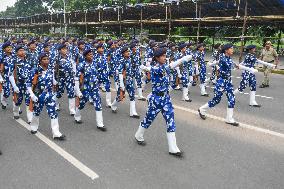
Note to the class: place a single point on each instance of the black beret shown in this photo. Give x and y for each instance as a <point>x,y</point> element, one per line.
<point>216,46</point>
<point>171,45</point>
<point>6,44</point>
<point>163,45</point>
<point>100,45</point>
<point>132,45</point>
<point>31,42</point>
<point>159,52</point>
<point>81,43</point>
<point>86,52</point>
<point>226,47</point>
<point>199,45</point>
<point>189,44</point>
<point>45,45</point>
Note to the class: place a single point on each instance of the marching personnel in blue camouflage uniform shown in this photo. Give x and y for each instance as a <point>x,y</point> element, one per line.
<point>6,63</point>
<point>87,86</point>
<point>248,77</point>
<point>190,68</point>
<point>136,63</point>
<point>126,67</point>
<point>160,100</point>
<point>200,62</point>
<point>103,72</point>
<point>183,71</point>
<point>65,69</point>
<point>216,57</point>
<point>18,77</point>
<point>40,87</point>
<point>32,54</point>
<point>224,84</point>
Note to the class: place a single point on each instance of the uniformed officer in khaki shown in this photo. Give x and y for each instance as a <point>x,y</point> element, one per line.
<point>268,54</point>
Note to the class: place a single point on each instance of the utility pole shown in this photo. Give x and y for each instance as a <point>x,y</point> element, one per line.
<point>64,16</point>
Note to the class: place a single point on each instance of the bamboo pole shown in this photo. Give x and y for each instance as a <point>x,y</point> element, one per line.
<point>243,32</point>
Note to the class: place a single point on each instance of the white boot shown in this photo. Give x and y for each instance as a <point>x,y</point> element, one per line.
<point>140,94</point>
<point>236,91</point>
<point>116,86</point>
<point>173,149</point>
<point>16,111</point>
<point>133,112</point>
<point>29,114</point>
<point>77,116</point>
<point>99,119</point>
<point>34,124</point>
<point>72,103</point>
<point>202,90</point>
<point>4,101</point>
<point>114,106</point>
<point>108,99</point>
<point>185,94</point>
<point>55,130</point>
<point>229,119</point>
<point>202,111</point>
<point>139,135</point>
<point>57,107</point>
<point>252,101</point>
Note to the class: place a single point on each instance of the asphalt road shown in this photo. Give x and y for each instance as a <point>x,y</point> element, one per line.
<point>215,154</point>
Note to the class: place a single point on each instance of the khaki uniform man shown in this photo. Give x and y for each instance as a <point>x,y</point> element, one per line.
<point>268,54</point>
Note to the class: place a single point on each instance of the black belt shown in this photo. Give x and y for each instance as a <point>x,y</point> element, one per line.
<point>161,93</point>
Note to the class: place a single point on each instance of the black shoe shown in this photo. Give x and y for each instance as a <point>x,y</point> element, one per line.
<point>72,115</point>
<point>194,84</point>
<point>256,106</point>
<point>189,100</point>
<point>206,95</point>
<point>3,107</point>
<point>114,111</point>
<point>92,103</point>
<point>135,116</point>
<point>142,99</point>
<point>141,143</point>
<point>102,128</point>
<point>266,85</point>
<point>16,117</point>
<point>20,112</point>
<point>29,122</point>
<point>235,124</point>
<point>262,86</point>
<point>0,153</point>
<point>108,106</point>
<point>79,122</point>
<point>33,132</point>
<point>177,154</point>
<point>201,115</point>
<point>62,137</point>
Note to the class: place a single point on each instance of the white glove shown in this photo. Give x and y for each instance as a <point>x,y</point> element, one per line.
<point>187,58</point>
<point>16,89</point>
<point>266,63</point>
<point>121,84</point>
<point>32,95</point>
<point>148,62</point>
<point>213,63</point>
<point>1,79</point>
<point>145,68</point>
<point>252,70</point>
<point>77,90</point>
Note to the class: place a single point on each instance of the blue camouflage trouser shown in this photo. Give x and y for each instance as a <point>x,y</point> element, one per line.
<point>184,78</point>
<point>129,88</point>
<point>247,78</point>
<point>68,83</point>
<point>104,79</point>
<point>6,88</point>
<point>47,99</point>
<point>138,78</point>
<point>202,73</point>
<point>214,73</point>
<point>94,94</point>
<point>20,96</point>
<point>221,86</point>
<point>158,104</point>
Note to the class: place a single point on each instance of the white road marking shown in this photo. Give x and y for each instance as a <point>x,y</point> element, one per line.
<point>243,125</point>
<point>75,162</point>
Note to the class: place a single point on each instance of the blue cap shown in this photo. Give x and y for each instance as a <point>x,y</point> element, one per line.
<point>100,45</point>
<point>6,44</point>
<point>42,55</point>
<point>86,52</point>
<point>132,45</point>
<point>124,49</point>
<point>181,46</point>
<point>61,46</point>
<point>249,47</point>
<point>18,47</point>
<point>159,52</point>
<point>31,42</point>
<point>226,47</point>
<point>199,45</point>
<point>80,43</point>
